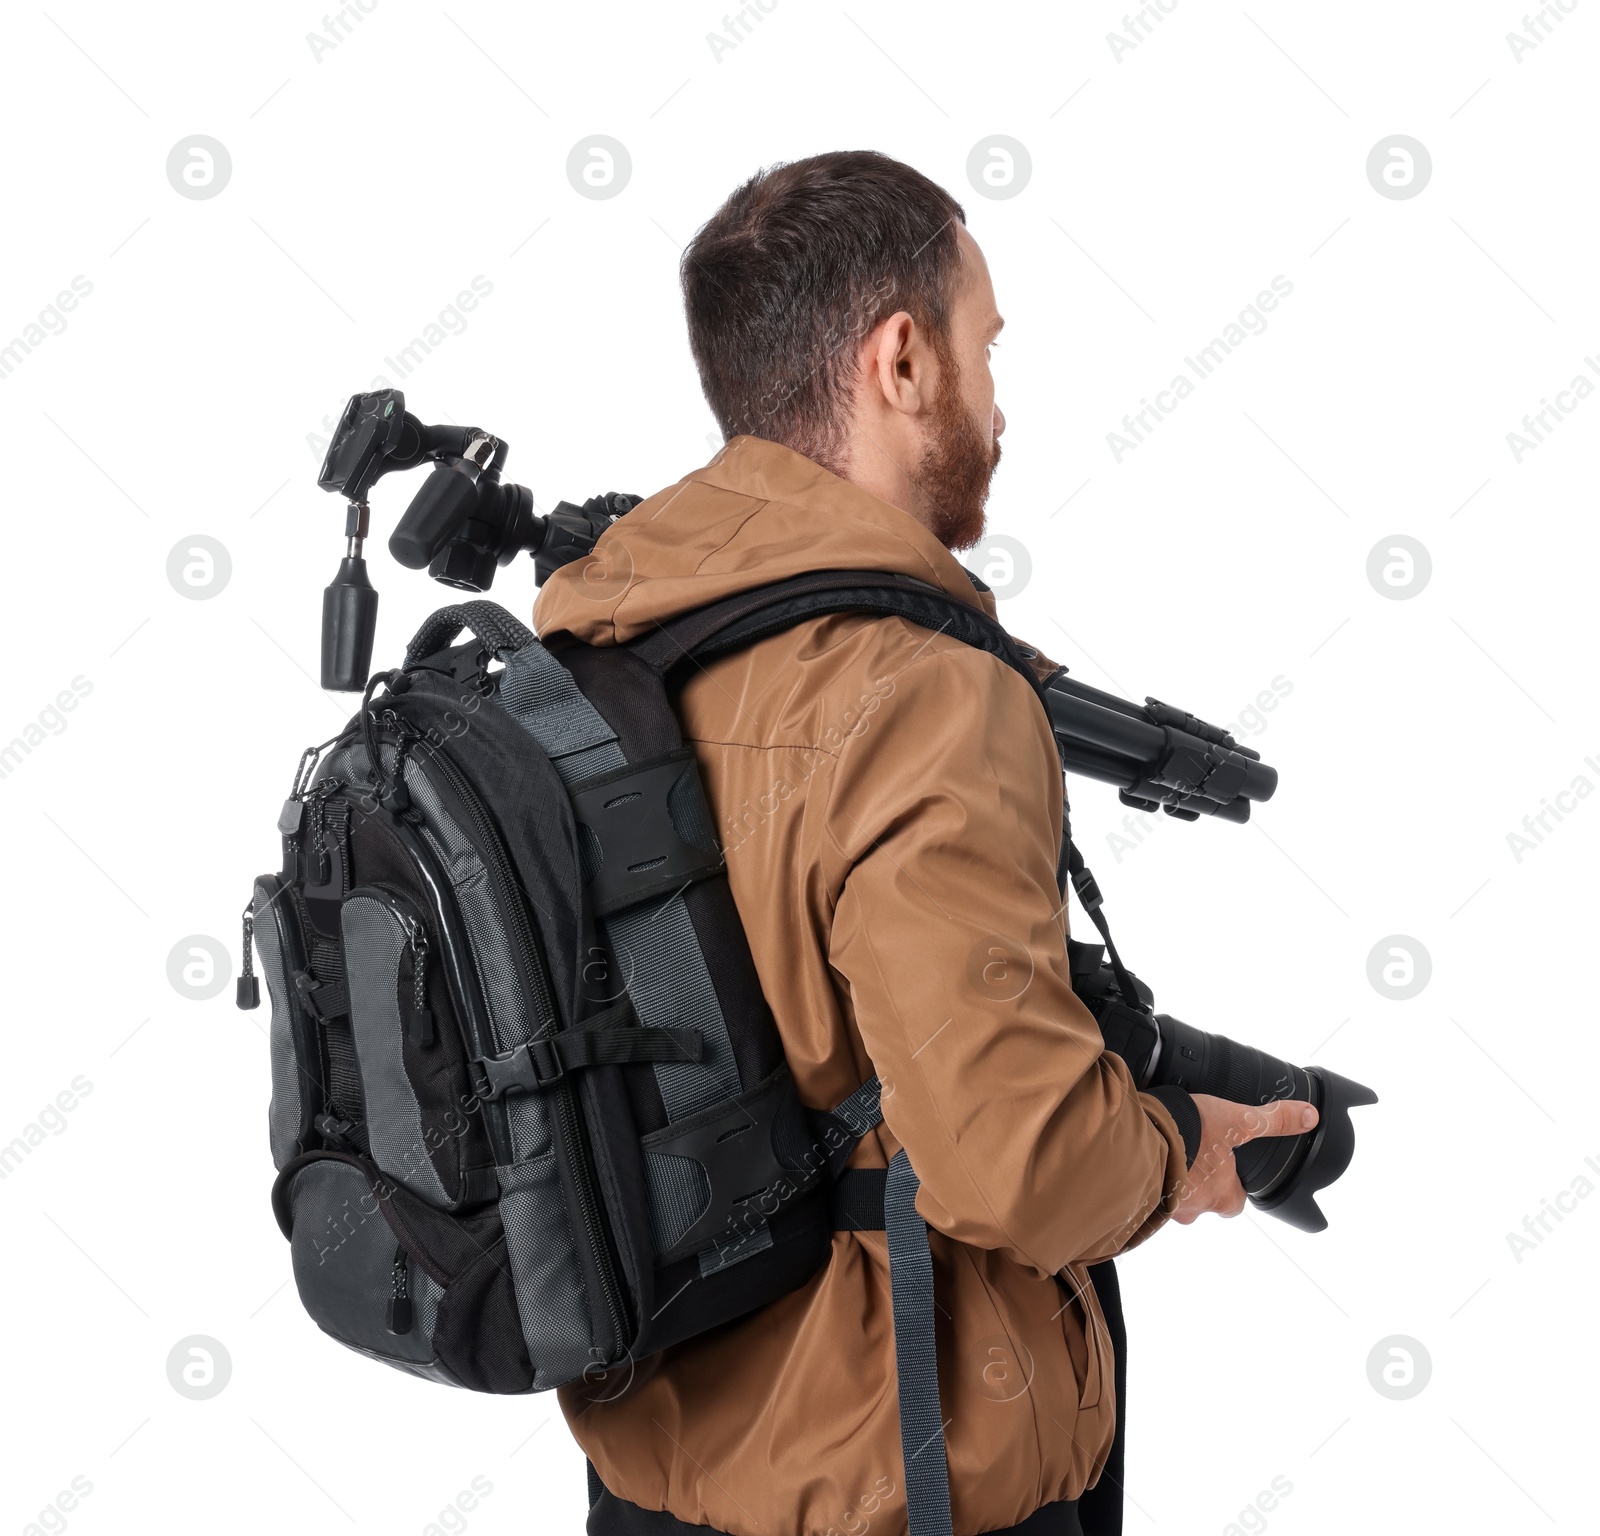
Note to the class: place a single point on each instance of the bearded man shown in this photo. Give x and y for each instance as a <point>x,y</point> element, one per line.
<point>890,801</point>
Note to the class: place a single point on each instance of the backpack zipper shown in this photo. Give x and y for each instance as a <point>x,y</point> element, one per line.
<point>525,943</point>
<point>420,1024</point>
<point>247,992</point>
<point>401,1313</point>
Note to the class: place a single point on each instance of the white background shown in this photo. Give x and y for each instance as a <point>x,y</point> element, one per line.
<point>1169,185</point>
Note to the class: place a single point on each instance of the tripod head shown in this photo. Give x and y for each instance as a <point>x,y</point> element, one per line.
<point>461,525</point>
<point>464,523</point>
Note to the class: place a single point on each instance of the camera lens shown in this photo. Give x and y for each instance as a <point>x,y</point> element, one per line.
<point>1281,1174</point>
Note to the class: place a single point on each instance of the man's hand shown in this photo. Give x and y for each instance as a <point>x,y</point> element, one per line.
<point>1213,1179</point>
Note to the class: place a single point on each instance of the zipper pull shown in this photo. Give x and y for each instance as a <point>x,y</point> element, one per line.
<point>421,1021</point>
<point>247,992</point>
<point>400,1309</point>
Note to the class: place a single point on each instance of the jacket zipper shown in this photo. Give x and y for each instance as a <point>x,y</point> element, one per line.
<point>525,943</point>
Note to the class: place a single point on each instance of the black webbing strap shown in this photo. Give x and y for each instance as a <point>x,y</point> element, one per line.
<point>610,1038</point>
<point>753,615</point>
<point>1083,882</point>
<point>857,1200</point>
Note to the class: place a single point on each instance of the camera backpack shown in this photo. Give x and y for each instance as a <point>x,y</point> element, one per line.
<point>530,1112</point>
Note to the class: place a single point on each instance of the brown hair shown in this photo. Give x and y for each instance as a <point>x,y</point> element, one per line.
<point>788,275</point>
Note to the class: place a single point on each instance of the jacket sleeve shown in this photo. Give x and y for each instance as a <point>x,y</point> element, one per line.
<point>948,933</point>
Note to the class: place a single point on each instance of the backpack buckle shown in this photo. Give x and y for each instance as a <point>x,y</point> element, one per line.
<point>527,1069</point>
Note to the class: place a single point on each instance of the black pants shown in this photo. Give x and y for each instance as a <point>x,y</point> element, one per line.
<point>1097,1513</point>
<point>611,1516</point>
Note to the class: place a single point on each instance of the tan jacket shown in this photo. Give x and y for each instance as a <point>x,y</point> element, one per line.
<point>890,803</point>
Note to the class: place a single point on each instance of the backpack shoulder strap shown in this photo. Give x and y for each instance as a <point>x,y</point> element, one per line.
<point>873,1199</point>
<point>722,627</point>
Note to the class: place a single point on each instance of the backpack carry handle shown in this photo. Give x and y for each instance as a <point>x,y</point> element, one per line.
<point>489,622</point>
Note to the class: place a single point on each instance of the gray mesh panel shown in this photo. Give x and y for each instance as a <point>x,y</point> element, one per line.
<point>426,1294</point>
<point>655,944</point>
<point>544,1269</point>
<point>679,1192</point>
<point>283,1113</point>
<point>374,941</point>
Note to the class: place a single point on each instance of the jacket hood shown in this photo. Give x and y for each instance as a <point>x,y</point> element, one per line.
<point>757,513</point>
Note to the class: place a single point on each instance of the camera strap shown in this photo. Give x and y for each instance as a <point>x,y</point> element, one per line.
<point>1088,889</point>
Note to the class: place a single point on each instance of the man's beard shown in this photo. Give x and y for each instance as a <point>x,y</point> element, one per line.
<point>952,479</point>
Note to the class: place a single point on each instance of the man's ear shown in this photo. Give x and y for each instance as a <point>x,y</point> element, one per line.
<point>897,365</point>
